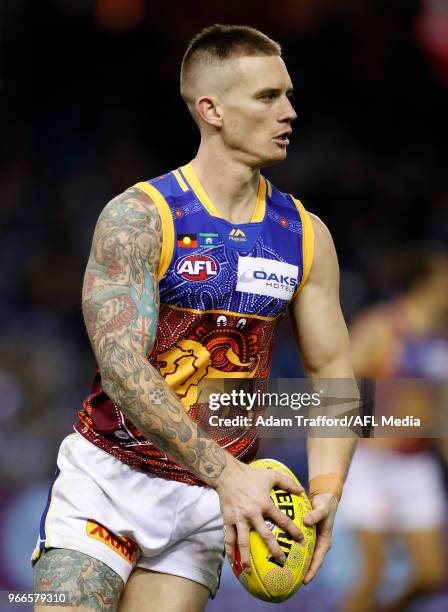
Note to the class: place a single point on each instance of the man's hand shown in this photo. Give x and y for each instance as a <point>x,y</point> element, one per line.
<point>322,515</point>
<point>245,503</point>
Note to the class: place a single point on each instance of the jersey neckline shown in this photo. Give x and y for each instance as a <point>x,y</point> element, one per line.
<point>260,208</point>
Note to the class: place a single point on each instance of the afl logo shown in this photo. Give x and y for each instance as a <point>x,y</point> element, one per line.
<point>197,267</point>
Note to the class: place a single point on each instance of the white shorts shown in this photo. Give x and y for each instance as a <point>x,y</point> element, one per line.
<point>387,490</point>
<point>125,517</point>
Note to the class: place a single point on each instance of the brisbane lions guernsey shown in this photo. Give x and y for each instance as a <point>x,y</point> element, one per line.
<point>223,289</point>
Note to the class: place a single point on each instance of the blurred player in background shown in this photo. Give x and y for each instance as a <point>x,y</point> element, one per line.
<point>187,279</point>
<point>395,487</point>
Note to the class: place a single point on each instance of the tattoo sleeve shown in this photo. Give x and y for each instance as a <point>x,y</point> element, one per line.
<point>121,306</point>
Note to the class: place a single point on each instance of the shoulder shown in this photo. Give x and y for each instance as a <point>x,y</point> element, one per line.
<point>323,239</point>
<point>130,216</point>
<point>131,204</point>
<point>129,223</point>
<point>146,199</point>
<point>325,261</point>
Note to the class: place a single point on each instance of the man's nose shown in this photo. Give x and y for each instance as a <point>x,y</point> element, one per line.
<point>288,113</point>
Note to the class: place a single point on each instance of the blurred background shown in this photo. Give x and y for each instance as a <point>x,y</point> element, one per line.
<point>89,104</point>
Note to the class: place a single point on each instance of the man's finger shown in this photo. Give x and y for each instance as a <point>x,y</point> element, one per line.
<point>315,515</point>
<point>286,483</point>
<point>285,523</point>
<point>270,540</point>
<point>322,547</point>
<point>229,542</point>
<point>243,544</point>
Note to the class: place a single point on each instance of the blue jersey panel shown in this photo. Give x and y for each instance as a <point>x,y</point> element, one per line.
<point>251,268</point>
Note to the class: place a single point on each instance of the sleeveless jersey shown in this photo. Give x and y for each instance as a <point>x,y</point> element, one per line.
<point>223,289</point>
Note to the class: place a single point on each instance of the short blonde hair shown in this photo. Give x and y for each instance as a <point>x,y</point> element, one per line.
<point>218,43</point>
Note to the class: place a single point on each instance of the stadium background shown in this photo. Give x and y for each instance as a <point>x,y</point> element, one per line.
<point>89,104</point>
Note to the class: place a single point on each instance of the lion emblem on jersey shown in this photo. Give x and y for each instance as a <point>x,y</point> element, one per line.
<point>214,346</point>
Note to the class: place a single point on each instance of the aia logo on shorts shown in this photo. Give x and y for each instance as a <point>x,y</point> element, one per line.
<point>197,267</point>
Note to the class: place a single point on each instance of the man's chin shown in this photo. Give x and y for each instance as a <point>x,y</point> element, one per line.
<point>268,159</point>
<point>275,158</point>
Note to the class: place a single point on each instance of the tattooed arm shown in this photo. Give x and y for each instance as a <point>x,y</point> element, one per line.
<point>120,305</point>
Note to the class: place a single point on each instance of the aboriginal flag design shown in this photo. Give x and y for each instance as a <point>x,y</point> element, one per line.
<point>187,241</point>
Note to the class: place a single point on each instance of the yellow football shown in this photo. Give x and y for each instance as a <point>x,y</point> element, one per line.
<point>270,580</point>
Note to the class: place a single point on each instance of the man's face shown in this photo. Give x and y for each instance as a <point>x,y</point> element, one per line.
<point>257,112</point>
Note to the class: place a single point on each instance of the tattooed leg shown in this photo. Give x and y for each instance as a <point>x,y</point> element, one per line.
<point>89,583</point>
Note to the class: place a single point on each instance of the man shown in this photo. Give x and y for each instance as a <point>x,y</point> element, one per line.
<point>178,289</point>
<point>395,487</point>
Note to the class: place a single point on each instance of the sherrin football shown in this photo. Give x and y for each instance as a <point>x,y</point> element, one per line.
<point>270,580</point>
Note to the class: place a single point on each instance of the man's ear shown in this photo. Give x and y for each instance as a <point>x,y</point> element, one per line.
<point>209,110</point>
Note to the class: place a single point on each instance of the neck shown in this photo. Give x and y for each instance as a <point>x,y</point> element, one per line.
<point>231,185</point>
